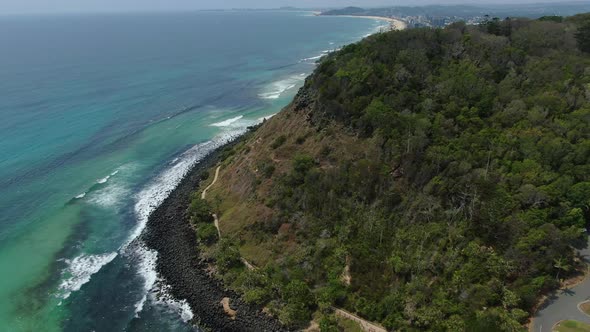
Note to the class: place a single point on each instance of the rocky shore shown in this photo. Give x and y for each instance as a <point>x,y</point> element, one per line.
<point>169,233</point>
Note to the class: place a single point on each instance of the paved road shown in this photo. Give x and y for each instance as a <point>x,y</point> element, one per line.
<point>563,304</point>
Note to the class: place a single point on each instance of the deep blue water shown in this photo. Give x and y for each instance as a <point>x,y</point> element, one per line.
<point>101,115</point>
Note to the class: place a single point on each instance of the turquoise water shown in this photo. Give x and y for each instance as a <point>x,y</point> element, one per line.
<point>101,117</point>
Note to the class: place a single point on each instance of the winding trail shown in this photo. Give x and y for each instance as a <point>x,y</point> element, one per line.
<point>563,303</point>
<point>364,324</point>
<point>170,234</point>
<point>204,193</point>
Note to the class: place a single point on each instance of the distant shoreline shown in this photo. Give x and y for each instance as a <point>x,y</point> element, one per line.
<point>396,23</point>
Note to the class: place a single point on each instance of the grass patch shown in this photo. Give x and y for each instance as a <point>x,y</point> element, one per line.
<point>348,325</point>
<point>256,253</point>
<point>585,307</point>
<point>571,326</point>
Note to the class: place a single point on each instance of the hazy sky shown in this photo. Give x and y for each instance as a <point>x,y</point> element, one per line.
<point>57,6</point>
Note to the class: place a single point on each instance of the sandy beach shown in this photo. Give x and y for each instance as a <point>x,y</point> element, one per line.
<point>396,24</point>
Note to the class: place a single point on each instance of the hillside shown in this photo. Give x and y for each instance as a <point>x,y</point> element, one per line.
<point>529,10</point>
<point>429,179</point>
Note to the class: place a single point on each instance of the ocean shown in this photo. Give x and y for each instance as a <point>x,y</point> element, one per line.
<point>101,116</point>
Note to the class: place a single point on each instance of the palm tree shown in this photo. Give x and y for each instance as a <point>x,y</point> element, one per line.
<point>561,265</point>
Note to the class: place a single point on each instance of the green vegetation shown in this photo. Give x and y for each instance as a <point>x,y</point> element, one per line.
<point>199,211</point>
<point>463,208</point>
<point>200,216</point>
<point>207,233</point>
<point>583,37</point>
<point>279,141</point>
<point>348,325</point>
<point>571,326</point>
<point>267,169</point>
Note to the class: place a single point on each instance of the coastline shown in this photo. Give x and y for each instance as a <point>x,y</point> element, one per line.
<point>180,269</point>
<point>395,23</point>
<point>169,233</point>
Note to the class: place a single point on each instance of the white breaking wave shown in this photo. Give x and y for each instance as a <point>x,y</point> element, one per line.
<point>312,58</point>
<point>109,196</point>
<point>103,180</point>
<point>155,288</point>
<point>106,178</point>
<point>80,270</point>
<point>228,122</point>
<point>82,195</point>
<point>164,298</point>
<point>146,268</point>
<point>276,89</point>
<point>156,192</point>
<point>323,53</point>
<point>147,201</point>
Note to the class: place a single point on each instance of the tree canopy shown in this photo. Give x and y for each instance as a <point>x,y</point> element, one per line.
<point>472,190</point>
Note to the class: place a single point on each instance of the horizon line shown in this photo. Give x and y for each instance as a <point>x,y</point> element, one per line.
<point>282,8</point>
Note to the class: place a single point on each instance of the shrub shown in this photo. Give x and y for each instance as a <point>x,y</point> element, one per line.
<point>227,256</point>
<point>268,170</point>
<point>227,152</point>
<point>256,295</point>
<point>204,176</point>
<point>302,164</point>
<point>300,140</point>
<point>199,211</point>
<point>207,233</point>
<point>299,300</point>
<point>278,141</point>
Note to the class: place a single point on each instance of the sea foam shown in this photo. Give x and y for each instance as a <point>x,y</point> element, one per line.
<point>155,288</point>
<point>103,180</point>
<point>80,196</point>
<point>276,89</point>
<point>164,298</point>
<point>79,271</point>
<point>106,178</point>
<point>147,269</point>
<point>151,197</point>
<point>228,122</point>
<point>313,58</point>
<point>109,196</point>
<point>147,200</point>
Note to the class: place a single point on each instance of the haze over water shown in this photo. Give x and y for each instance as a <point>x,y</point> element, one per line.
<point>101,117</point>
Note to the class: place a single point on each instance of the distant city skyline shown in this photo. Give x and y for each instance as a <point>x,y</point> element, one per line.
<point>77,6</point>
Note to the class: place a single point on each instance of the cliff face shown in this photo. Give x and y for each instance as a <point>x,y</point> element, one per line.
<point>426,179</point>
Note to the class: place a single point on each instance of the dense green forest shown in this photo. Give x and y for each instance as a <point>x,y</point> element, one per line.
<point>456,200</point>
